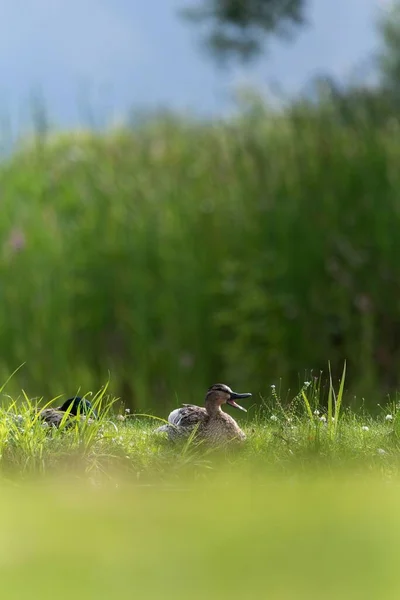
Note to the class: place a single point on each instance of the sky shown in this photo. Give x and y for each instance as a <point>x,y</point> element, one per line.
<point>94,60</point>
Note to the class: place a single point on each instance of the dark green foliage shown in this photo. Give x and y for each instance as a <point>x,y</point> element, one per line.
<point>389,54</point>
<point>183,254</point>
<point>239,28</point>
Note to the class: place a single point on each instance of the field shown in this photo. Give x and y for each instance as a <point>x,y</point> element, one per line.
<point>169,256</point>
<point>306,508</point>
<point>281,540</point>
<point>181,253</point>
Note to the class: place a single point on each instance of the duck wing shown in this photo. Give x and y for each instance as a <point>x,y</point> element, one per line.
<point>188,415</point>
<point>52,416</point>
<point>181,421</point>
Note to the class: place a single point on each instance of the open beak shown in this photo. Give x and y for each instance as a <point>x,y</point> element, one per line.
<point>235,396</point>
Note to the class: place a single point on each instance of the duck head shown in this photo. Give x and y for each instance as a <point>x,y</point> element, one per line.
<point>219,394</point>
<point>78,405</point>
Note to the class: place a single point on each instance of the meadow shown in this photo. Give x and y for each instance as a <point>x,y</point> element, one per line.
<point>284,437</point>
<point>306,508</point>
<point>320,540</point>
<point>178,253</point>
<point>150,262</point>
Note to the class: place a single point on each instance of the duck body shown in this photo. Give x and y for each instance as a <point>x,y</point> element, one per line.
<point>80,407</point>
<point>210,422</point>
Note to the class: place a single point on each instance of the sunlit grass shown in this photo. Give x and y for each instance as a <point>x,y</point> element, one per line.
<point>293,438</point>
<point>111,509</point>
<point>218,539</point>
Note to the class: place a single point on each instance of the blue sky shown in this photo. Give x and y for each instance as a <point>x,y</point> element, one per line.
<point>104,56</point>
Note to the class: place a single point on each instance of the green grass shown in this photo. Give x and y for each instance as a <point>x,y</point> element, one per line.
<point>187,253</point>
<point>302,509</point>
<point>110,509</point>
<point>297,438</point>
<point>292,541</point>
<point>172,257</point>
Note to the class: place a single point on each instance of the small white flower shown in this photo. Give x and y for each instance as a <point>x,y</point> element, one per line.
<point>381,451</point>
<point>120,418</point>
<point>127,410</point>
<point>316,412</point>
<point>323,419</point>
<point>389,418</point>
<point>365,428</point>
<point>273,387</point>
<point>307,384</point>
<point>273,418</point>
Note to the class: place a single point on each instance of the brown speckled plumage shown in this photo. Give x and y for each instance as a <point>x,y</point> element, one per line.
<point>211,422</point>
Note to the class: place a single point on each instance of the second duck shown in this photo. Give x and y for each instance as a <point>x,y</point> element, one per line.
<point>75,406</point>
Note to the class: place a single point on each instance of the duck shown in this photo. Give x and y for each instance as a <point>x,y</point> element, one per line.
<point>212,423</point>
<point>75,406</point>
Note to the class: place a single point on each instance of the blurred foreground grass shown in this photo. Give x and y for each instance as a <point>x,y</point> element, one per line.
<point>303,509</point>
<point>231,539</point>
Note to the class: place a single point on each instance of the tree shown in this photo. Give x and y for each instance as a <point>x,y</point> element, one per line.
<point>389,55</point>
<point>238,29</point>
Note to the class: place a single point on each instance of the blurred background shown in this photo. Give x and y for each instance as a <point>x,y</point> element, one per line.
<point>199,191</point>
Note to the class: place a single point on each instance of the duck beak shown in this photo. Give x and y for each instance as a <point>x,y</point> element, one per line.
<point>235,396</point>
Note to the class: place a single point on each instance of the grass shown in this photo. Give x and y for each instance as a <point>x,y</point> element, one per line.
<point>192,252</point>
<point>282,438</point>
<point>189,253</point>
<point>112,509</point>
<point>302,509</point>
<point>319,540</point>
